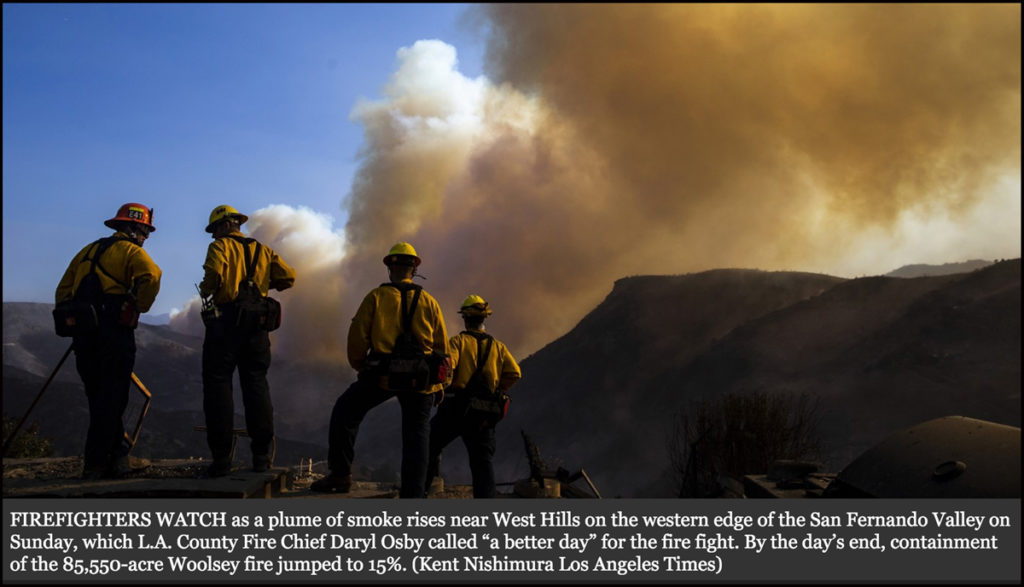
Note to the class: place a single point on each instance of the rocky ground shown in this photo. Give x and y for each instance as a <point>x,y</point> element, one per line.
<point>50,469</point>
<point>67,471</point>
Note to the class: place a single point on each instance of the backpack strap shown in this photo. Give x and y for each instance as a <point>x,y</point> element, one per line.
<point>250,259</point>
<point>93,257</point>
<point>481,358</point>
<point>405,315</point>
<point>478,335</point>
<point>402,286</point>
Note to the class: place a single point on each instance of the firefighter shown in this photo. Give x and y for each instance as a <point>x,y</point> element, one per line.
<point>238,337</point>
<point>397,324</point>
<point>127,285</point>
<point>485,367</point>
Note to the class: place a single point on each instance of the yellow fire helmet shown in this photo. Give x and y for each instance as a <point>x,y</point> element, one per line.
<point>402,254</point>
<point>474,305</point>
<point>224,211</point>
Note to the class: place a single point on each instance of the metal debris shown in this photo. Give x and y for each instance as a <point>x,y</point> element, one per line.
<point>544,482</point>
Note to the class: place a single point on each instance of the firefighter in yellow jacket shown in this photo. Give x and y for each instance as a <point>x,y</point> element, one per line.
<point>127,285</point>
<point>398,344</point>
<point>484,370</point>
<point>239,272</point>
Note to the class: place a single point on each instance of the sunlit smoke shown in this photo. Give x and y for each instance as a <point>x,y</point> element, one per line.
<point>627,139</point>
<point>615,140</point>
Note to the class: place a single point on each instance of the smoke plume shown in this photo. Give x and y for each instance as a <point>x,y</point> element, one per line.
<point>614,140</point>
<point>628,139</point>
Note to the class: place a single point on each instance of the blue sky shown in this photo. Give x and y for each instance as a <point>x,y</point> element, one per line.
<point>184,107</point>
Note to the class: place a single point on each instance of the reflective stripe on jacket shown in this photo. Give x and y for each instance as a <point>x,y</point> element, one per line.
<point>500,362</point>
<point>225,268</point>
<point>124,261</point>
<point>377,323</point>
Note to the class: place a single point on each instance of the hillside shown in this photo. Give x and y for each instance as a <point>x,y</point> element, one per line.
<point>922,270</point>
<point>877,353</point>
<point>882,354</point>
<point>598,397</point>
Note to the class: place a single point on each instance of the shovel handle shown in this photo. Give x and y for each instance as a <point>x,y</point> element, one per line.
<point>10,439</point>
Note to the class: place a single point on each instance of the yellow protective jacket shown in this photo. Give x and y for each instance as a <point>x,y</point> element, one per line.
<point>377,323</point>
<point>225,269</point>
<point>500,370</point>
<point>124,261</point>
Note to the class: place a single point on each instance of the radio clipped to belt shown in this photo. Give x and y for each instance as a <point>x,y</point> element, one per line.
<point>209,312</point>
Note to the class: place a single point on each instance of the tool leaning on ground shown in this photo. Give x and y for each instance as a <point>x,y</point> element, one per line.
<point>138,424</point>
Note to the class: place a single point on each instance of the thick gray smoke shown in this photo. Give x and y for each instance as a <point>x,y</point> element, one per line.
<point>614,140</point>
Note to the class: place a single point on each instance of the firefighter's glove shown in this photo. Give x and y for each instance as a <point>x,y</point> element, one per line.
<point>438,397</point>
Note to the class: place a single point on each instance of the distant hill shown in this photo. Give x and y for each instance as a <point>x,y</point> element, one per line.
<point>945,269</point>
<point>156,320</point>
<point>878,353</point>
<point>882,354</point>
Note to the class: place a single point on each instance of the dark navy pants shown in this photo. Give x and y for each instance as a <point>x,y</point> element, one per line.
<point>349,411</point>
<point>451,422</point>
<point>226,348</point>
<point>105,360</point>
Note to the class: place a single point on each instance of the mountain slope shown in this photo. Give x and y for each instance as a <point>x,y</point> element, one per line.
<point>945,269</point>
<point>881,354</point>
<point>602,393</point>
<point>877,353</point>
